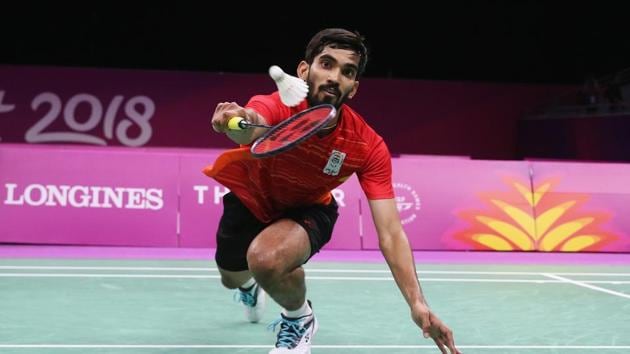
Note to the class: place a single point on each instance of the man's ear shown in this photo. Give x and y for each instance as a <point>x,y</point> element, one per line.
<point>302,70</point>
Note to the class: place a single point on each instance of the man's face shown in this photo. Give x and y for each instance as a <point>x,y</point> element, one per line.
<point>331,77</point>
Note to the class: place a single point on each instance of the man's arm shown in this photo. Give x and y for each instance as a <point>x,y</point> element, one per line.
<point>225,111</point>
<point>395,247</point>
<point>394,244</point>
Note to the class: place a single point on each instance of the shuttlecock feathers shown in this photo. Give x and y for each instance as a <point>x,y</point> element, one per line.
<point>292,89</point>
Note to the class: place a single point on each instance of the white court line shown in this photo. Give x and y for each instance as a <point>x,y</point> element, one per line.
<point>311,270</point>
<point>192,276</point>
<point>585,285</point>
<point>244,346</point>
<point>189,276</point>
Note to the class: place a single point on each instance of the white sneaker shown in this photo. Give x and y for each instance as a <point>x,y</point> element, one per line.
<point>254,300</point>
<point>295,334</point>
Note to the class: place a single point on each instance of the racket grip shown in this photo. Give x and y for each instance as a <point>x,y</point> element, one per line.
<point>236,123</point>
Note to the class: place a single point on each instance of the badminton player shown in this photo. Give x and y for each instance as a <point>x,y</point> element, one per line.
<point>280,210</point>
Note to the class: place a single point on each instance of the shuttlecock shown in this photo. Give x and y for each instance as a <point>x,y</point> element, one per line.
<point>292,89</point>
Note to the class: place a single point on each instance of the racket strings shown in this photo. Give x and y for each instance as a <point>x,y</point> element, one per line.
<point>289,132</point>
<point>293,131</point>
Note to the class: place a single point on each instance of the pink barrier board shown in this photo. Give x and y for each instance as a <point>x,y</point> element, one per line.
<point>97,196</point>
<point>346,235</point>
<point>582,206</point>
<point>200,200</point>
<point>457,204</point>
<point>160,198</point>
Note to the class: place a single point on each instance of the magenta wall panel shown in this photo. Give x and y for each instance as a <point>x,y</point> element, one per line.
<point>346,234</point>
<point>582,206</point>
<point>441,200</point>
<point>200,201</point>
<point>88,196</point>
<point>160,197</point>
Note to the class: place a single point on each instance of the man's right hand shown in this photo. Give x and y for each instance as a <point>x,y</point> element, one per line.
<point>223,113</point>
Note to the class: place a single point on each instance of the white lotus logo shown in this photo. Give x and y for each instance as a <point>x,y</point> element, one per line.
<point>407,202</point>
<point>402,205</point>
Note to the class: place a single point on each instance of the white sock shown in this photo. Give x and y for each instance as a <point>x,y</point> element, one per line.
<point>248,284</point>
<point>304,310</point>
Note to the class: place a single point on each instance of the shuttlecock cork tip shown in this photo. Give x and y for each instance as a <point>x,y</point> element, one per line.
<point>276,73</point>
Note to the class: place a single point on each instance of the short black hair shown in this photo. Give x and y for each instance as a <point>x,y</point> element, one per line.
<point>341,39</point>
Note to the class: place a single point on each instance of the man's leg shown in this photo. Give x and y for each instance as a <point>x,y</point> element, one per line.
<point>233,280</point>
<point>276,255</point>
<point>275,258</point>
<point>249,292</point>
<point>237,228</point>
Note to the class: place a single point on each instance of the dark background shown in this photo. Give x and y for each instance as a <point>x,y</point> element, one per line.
<point>496,41</point>
<point>523,42</point>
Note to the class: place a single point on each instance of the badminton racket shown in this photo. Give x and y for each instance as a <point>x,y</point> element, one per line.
<point>289,133</point>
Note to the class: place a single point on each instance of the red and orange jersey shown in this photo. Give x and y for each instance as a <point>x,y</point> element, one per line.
<point>307,173</point>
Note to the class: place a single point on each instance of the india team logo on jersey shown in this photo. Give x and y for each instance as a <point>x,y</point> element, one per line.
<point>334,163</point>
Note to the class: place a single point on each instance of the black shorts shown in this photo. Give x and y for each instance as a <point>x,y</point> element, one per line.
<point>238,227</point>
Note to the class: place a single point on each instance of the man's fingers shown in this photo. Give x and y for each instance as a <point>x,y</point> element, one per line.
<point>426,324</point>
<point>222,114</point>
<point>447,338</point>
<point>450,342</point>
<point>440,345</point>
<point>217,127</point>
<point>216,123</point>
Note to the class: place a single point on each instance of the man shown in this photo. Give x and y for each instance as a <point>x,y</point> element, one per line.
<point>280,210</point>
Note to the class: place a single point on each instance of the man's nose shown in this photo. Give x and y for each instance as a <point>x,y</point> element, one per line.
<point>333,75</point>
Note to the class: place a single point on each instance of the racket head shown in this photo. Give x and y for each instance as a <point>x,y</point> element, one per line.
<point>293,131</point>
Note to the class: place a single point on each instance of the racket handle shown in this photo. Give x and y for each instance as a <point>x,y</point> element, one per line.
<point>236,123</point>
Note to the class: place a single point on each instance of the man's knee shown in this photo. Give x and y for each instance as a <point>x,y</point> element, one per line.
<point>233,280</point>
<point>264,264</point>
<point>229,282</point>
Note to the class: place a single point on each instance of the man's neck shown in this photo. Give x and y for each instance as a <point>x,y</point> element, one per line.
<point>330,127</point>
